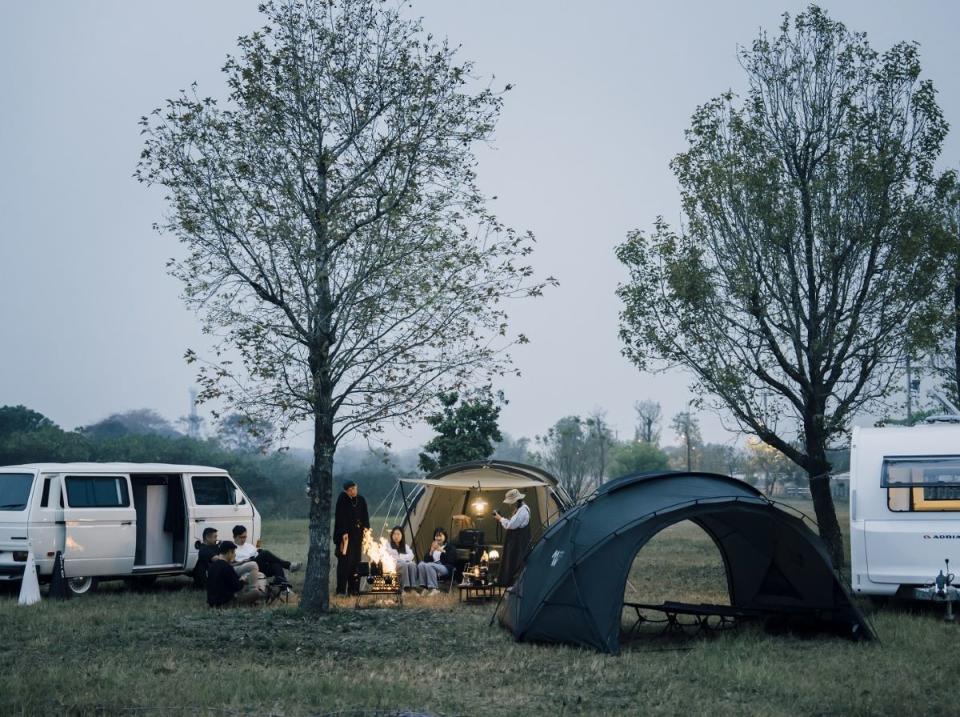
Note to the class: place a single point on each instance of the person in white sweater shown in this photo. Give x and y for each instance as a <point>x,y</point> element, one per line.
<point>403,555</point>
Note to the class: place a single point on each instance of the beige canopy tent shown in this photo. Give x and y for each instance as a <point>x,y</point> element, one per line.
<point>464,496</point>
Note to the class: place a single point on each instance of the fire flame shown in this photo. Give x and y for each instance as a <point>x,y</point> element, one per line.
<point>377,552</point>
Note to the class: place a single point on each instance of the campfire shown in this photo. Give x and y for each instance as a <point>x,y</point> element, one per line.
<point>381,570</point>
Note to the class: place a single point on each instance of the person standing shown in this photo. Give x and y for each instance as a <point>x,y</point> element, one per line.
<point>517,538</point>
<point>350,520</point>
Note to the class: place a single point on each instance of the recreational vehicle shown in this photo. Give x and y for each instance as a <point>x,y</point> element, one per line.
<point>114,520</point>
<point>904,506</point>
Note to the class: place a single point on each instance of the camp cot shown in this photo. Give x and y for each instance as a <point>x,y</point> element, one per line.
<point>572,586</point>
<point>904,506</point>
<point>464,496</point>
<point>114,520</point>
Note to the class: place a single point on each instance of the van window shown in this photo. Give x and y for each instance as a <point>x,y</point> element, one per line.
<point>923,483</point>
<point>97,492</point>
<point>214,490</point>
<point>45,496</point>
<point>15,490</point>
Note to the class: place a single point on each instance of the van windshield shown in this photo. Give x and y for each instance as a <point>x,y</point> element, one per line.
<point>15,490</point>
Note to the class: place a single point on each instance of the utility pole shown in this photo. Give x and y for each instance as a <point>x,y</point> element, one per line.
<point>909,391</point>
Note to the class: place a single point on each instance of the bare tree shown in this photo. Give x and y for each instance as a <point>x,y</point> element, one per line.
<point>648,421</point>
<point>337,243</point>
<point>687,428</point>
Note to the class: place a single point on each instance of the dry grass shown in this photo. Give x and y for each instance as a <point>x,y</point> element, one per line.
<point>165,652</point>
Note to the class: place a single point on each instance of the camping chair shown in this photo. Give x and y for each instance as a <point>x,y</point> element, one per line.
<point>451,578</point>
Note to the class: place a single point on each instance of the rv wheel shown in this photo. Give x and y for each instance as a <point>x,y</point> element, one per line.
<point>81,586</point>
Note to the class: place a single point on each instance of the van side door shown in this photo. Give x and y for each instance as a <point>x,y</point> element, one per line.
<point>216,502</point>
<point>100,525</point>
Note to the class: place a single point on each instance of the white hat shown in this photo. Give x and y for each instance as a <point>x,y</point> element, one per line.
<point>513,495</point>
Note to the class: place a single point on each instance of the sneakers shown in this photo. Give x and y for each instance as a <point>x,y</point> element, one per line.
<point>432,592</point>
<point>294,567</point>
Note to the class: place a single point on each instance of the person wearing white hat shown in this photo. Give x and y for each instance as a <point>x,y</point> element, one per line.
<point>517,538</point>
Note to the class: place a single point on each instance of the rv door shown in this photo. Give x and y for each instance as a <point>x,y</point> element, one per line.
<point>100,525</point>
<point>219,504</point>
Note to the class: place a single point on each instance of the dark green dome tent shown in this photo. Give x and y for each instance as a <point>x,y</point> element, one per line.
<point>572,586</point>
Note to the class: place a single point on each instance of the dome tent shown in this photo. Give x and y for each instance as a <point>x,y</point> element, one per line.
<point>572,586</point>
<point>475,489</point>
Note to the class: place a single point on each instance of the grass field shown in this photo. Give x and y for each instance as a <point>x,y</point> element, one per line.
<point>164,652</point>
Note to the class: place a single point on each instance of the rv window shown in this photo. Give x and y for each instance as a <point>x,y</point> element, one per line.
<point>15,490</point>
<point>934,472</point>
<point>923,483</point>
<point>97,492</point>
<point>214,490</point>
<point>45,496</point>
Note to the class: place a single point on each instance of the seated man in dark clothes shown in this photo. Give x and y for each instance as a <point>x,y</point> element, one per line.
<point>269,564</point>
<point>225,586</point>
<point>208,550</point>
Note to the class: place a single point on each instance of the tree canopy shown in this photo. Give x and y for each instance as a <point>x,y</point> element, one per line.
<point>466,429</point>
<point>801,273</point>
<point>336,240</point>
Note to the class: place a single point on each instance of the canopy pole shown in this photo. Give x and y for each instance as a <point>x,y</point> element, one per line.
<point>406,510</point>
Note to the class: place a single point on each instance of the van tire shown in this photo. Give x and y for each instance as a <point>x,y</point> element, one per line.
<point>81,585</point>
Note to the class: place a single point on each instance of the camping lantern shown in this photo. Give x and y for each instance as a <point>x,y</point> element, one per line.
<point>479,506</point>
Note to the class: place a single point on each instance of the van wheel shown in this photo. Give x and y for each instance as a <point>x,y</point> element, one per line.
<point>82,586</point>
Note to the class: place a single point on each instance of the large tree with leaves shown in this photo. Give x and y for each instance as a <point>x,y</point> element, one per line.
<point>336,241</point>
<point>802,270</point>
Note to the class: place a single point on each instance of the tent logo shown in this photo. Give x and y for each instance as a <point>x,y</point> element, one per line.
<point>555,558</point>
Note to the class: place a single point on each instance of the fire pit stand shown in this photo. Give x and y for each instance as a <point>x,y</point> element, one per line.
<point>376,583</point>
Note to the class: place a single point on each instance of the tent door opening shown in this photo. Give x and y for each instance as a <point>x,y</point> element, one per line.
<point>682,571</point>
<point>161,521</point>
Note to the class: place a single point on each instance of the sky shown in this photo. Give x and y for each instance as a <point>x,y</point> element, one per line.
<point>90,323</point>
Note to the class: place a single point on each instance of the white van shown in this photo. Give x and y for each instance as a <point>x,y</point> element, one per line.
<point>114,520</point>
<point>904,506</point>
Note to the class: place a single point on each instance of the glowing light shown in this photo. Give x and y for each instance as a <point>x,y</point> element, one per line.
<point>493,555</point>
<point>479,506</point>
<point>378,553</point>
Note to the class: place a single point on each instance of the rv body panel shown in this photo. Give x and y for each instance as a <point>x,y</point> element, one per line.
<point>903,528</point>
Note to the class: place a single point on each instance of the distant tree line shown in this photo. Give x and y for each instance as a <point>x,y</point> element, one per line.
<point>275,480</point>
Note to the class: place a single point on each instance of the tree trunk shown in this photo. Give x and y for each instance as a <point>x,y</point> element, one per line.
<point>316,585</point>
<point>818,475</point>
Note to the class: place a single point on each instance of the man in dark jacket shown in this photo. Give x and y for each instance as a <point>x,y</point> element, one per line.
<point>223,583</point>
<point>350,520</point>
<point>207,551</point>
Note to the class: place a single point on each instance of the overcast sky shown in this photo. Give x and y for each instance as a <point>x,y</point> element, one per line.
<point>90,324</point>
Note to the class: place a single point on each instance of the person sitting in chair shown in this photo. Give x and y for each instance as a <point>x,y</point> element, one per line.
<point>226,585</point>
<point>438,563</point>
<point>403,555</point>
<point>206,552</point>
<point>517,538</point>
<point>268,563</point>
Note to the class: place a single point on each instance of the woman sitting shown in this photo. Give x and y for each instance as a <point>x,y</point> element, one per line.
<point>403,555</point>
<point>437,563</point>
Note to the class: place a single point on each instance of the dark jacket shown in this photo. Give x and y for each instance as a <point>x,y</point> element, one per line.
<point>448,557</point>
<point>205,555</point>
<point>222,583</point>
<point>351,517</point>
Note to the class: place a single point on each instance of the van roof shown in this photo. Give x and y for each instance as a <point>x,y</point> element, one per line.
<point>113,468</point>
